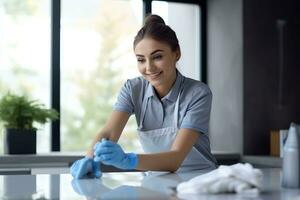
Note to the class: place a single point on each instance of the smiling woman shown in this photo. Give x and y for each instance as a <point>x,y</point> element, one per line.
<point>171,110</point>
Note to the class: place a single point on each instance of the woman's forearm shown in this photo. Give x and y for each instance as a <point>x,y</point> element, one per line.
<point>166,161</point>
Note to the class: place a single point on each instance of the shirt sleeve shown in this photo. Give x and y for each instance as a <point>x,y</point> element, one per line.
<point>124,101</point>
<point>198,112</point>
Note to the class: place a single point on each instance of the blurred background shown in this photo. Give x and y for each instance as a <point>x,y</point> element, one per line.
<point>245,50</point>
<point>96,58</point>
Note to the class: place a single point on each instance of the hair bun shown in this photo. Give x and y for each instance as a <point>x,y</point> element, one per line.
<point>151,19</point>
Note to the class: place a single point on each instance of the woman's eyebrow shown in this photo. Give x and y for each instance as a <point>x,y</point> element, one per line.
<point>158,50</point>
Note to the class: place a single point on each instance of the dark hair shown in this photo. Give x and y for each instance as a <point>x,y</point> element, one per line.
<point>154,27</point>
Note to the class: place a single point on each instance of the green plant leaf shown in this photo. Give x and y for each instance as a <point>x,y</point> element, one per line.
<point>19,112</point>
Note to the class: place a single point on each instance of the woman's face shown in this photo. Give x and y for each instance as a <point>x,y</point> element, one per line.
<point>157,62</point>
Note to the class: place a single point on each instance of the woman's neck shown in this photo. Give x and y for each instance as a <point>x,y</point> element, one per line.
<point>163,90</point>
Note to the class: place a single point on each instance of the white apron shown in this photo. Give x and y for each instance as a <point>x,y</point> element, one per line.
<point>161,140</point>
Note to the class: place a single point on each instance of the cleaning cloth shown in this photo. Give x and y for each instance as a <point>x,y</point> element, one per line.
<point>238,178</point>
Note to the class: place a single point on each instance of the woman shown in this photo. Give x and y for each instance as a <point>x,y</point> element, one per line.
<point>172,112</point>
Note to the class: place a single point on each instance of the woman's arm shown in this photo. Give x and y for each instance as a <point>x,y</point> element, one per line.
<point>171,160</point>
<point>112,129</point>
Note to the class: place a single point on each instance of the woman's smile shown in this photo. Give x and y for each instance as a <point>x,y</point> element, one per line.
<point>154,76</point>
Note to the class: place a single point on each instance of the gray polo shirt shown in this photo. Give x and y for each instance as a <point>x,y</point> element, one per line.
<point>194,110</point>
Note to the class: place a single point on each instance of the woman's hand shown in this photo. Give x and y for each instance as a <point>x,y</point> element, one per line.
<point>110,153</point>
<point>86,168</point>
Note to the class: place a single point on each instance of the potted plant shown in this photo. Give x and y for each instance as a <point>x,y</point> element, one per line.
<point>19,116</point>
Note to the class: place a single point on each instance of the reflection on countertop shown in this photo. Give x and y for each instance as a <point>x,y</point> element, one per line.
<point>127,185</point>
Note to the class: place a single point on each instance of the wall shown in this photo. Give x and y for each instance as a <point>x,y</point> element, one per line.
<point>271,90</point>
<point>254,79</point>
<point>225,70</point>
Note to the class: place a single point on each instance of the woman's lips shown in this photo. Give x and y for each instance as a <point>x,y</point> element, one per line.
<point>154,75</point>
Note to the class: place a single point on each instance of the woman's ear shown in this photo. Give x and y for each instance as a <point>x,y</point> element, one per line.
<point>178,54</point>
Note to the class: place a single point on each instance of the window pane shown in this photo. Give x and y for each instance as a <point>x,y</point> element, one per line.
<point>25,54</point>
<point>184,19</point>
<point>96,59</point>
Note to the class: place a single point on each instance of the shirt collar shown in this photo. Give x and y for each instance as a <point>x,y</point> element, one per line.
<point>149,91</point>
<point>173,93</point>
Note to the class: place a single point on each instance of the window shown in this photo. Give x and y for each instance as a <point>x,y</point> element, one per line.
<point>96,59</point>
<point>25,54</point>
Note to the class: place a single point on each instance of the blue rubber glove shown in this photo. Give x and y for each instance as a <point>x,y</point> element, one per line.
<point>111,153</point>
<point>86,168</point>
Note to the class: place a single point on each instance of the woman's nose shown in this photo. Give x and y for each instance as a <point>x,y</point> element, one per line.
<point>149,66</point>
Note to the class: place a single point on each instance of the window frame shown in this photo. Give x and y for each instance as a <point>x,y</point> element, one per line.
<point>55,71</point>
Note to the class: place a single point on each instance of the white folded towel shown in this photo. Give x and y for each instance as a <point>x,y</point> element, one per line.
<point>239,178</point>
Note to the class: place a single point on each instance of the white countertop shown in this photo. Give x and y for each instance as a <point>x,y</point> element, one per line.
<point>126,185</point>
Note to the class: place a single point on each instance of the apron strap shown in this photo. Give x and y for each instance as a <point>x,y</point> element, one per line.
<point>176,111</point>
<point>143,110</point>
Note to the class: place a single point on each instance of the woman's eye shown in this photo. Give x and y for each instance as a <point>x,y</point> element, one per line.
<point>140,60</point>
<point>157,57</point>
